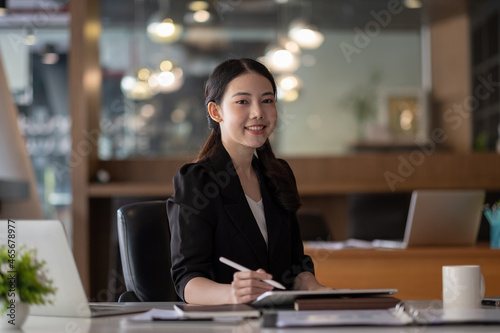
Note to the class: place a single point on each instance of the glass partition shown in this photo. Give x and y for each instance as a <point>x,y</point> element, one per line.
<point>349,72</point>
<point>34,43</point>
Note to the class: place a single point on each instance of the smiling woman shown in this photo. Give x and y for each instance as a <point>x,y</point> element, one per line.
<point>226,87</point>
<point>237,200</point>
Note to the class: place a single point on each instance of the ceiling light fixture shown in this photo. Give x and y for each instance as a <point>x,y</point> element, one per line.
<point>136,86</point>
<point>198,13</point>
<point>413,4</point>
<point>161,28</point>
<point>164,30</point>
<point>198,5</point>
<point>281,60</point>
<point>289,82</point>
<point>303,31</point>
<point>305,34</point>
<point>168,79</point>
<point>201,16</point>
<point>289,86</point>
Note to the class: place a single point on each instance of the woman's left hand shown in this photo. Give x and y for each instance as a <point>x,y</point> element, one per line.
<point>307,281</point>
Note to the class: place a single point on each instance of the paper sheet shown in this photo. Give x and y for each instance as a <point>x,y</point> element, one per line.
<point>160,315</point>
<point>155,314</point>
<point>342,318</point>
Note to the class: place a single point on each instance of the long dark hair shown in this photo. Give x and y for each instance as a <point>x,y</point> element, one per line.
<point>278,177</point>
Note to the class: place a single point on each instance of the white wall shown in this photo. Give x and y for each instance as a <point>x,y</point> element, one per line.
<point>15,163</point>
<point>15,53</point>
<point>395,54</point>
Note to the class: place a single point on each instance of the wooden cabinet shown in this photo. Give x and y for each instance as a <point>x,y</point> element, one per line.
<point>415,272</point>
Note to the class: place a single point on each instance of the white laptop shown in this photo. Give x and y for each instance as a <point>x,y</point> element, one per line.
<point>49,238</point>
<point>441,217</point>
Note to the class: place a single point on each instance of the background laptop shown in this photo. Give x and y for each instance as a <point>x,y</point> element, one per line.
<point>49,238</point>
<point>443,217</point>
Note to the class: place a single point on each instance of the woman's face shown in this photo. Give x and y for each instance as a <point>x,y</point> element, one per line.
<point>247,113</point>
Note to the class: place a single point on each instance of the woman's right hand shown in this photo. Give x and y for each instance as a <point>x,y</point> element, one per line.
<point>247,286</point>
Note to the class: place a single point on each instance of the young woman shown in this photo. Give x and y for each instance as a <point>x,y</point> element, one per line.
<point>237,200</point>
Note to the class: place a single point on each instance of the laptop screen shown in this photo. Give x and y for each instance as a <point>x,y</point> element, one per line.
<point>49,239</point>
<point>444,217</point>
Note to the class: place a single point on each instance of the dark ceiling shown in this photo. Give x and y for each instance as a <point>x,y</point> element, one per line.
<point>327,14</point>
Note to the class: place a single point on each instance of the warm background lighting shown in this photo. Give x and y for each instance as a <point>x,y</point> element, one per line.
<point>413,4</point>
<point>162,29</point>
<point>198,5</point>
<point>289,86</point>
<point>305,35</point>
<point>201,16</point>
<point>281,60</point>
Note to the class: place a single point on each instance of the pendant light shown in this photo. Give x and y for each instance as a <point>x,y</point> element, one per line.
<point>283,57</point>
<point>167,79</point>
<point>161,27</point>
<point>304,32</point>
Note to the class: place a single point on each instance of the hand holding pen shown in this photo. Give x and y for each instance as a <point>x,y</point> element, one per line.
<point>247,284</point>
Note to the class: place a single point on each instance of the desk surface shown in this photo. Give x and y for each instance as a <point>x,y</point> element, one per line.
<point>36,324</point>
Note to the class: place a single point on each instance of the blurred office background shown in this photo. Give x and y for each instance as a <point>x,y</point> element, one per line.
<point>110,93</point>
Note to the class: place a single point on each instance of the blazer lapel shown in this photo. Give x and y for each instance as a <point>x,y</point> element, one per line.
<point>272,212</point>
<point>236,205</point>
<point>242,217</point>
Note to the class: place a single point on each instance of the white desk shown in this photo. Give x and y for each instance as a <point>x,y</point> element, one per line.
<point>117,324</point>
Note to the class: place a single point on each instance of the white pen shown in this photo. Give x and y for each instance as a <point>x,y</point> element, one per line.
<point>244,269</point>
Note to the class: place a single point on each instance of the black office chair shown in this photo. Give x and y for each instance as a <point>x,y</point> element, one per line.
<point>313,227</point>
<point>144,240</point>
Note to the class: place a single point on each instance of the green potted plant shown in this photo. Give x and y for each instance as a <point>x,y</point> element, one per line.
<point>361,100</point>
<point>23,281</point>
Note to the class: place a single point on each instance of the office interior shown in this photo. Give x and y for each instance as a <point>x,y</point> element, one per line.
<point>382,98</point>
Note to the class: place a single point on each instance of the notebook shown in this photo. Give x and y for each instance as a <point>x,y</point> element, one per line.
<point>49,239</point>
<point>346,303</point>
<point>441,217</point>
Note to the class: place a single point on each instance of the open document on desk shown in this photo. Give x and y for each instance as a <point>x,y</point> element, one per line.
<point>189,312</point>
<point>353,243</point>
<point>398,316</point>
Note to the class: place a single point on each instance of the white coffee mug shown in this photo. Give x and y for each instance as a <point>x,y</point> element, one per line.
<point>463,287</point>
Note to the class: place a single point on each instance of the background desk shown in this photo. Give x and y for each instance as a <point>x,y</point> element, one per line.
<point>415,272</point>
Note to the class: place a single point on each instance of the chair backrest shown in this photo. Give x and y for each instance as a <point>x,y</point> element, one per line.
<point>144,240</point>
<point>313,227</point>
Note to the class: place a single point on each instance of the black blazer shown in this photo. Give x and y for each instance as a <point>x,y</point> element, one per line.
<point>209,217</point>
